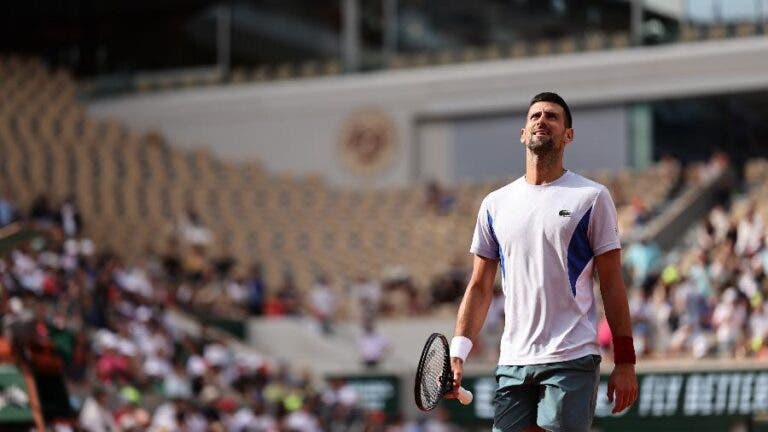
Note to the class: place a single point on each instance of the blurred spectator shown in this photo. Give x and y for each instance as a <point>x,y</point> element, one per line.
<point>438,200</point>
<point>236,296</point>
<point>41,211</point>
<point>171,260</point>
<point>401,297</point>
<point>721,223</point>
<point>372,345</point>
<point>112,365</point>
<point>129,415</point>
<point>224,263</point>
<point>705,234</point>
<point>728,319</point>
<point>69,217</point>
<point>256,289</point>
<point>195,265</point>
<point>8,210</point>
<point>717,163</point>
<point>449,287</point>
<point>339,392</point>
<point>758,327</point>
<point>273,306</point>
<point>302,420</point>
<point>176,383</point>
<point>642,317</point>
<point>749,233</point>
<point>192,229</point>
<point>367,293</point>
<point>640,211</point>
<point>661,318</point>
<point>253,417</point>
<point>323,304</point>
<point>699,273</point>
<point>77,368</point>
<point>95,416</point>
<point>288,296</point>
<point>343,412</point>
<point>642,258</point>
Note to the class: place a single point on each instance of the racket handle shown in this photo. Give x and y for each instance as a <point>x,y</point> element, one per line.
<point>465,396</point>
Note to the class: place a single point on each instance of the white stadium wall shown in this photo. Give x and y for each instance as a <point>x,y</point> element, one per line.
<point>425,121</point>
<point>488,147</point>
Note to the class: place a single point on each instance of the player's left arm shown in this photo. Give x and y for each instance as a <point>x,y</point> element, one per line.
<point>622,383</point>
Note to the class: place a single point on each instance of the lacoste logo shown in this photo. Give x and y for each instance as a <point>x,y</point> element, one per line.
<point>564,213</point>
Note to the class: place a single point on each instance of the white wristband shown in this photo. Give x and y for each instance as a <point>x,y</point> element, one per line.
<point>460,347</point>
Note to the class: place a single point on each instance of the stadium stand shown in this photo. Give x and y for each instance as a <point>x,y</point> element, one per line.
<point>183,228</point>
<point>122,256</point>
<point>136,191</point>
<point>217,229</point>
<point>705,299</point>
<point>131,362</point>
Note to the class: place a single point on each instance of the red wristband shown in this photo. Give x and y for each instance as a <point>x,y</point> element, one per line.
<point>623,350</point>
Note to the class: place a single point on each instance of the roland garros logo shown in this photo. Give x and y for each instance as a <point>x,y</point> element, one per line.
<point>367,144</point>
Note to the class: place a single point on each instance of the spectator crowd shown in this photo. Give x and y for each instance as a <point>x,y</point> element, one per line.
<point>132,362</point>
<point>707,298</point>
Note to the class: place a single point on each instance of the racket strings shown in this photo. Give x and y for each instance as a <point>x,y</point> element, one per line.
<point>433,383</point>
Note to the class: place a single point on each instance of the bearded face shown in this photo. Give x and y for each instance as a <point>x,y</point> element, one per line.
<point>540,143</point>
<point>545,131</point>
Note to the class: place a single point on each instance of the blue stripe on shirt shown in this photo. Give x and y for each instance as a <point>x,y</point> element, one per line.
<point>493,234</point>
<point>579,251</point>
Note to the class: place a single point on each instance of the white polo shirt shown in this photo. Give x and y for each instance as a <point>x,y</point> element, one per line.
<point>545,238</point>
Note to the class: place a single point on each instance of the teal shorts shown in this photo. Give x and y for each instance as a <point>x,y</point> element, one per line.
<point>557,396</point>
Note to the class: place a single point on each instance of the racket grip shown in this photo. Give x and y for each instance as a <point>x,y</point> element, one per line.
<point>465,396</point>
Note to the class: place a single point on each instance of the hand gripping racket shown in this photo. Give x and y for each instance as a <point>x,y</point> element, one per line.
<point>434,377</point>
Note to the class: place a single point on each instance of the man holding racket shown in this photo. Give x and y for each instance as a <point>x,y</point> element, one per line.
<point>547,232</point>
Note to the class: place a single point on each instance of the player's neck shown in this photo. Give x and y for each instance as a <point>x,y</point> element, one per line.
<point>542,170</point>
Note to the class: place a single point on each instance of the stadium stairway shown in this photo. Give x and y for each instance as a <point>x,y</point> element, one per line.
<point>301,341</point>
<point>678,217</point>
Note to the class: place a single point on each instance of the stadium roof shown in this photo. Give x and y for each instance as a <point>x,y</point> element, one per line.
<point>106,37</point>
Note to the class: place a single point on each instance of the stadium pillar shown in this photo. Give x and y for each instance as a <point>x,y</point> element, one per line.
<point>390,28</point>
<point>223,37</point>
<point>351,35</point>
<point>641,135</point>
<point>717,11</point>
<point>636,21</point>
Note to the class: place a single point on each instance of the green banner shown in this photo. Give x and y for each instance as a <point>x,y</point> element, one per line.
<point>481,408</point>
<point>14,400</point>
<point>707,401</point>
<point>670,401</point>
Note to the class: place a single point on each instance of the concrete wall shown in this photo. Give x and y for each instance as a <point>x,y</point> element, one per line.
<point>487,148</point>
<point>295,125</point>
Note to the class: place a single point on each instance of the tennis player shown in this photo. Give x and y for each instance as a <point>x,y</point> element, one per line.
<point>548,232</point>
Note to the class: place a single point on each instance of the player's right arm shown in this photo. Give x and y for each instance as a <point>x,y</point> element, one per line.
<point>473,310</point>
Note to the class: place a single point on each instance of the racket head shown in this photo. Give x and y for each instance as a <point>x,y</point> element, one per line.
<point>434,377</point>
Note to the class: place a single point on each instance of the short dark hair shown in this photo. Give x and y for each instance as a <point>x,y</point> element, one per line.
<point>554,98</point>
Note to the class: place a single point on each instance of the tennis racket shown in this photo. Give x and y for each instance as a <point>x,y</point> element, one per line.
<point>434,377</point>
